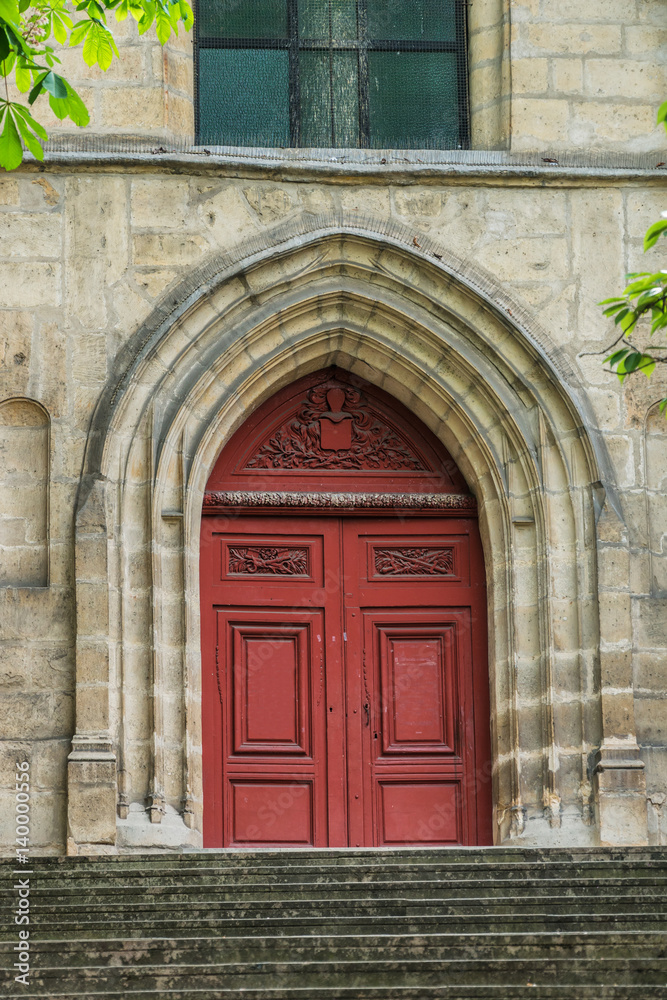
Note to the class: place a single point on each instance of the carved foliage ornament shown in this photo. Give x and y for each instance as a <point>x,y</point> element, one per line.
<point>403,561</point>
<point>267,560</point>
<point>216,499</point>
<point>333,429</point>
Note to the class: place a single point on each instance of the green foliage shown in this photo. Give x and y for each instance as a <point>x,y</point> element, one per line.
<point>644,297</point>
<point>28,59</point>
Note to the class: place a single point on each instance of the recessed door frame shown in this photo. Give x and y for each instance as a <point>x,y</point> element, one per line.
<point>331,445</point>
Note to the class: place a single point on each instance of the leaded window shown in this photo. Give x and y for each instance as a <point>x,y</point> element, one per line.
<point>384,74</point>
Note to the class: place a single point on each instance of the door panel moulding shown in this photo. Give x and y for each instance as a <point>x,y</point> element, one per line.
<point>440,343</point>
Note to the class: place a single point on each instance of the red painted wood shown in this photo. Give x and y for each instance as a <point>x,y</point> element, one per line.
<point>345,678</point>
<point>299,437</point>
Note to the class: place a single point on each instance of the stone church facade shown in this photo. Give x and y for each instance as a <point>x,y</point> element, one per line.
<point>155,295</point>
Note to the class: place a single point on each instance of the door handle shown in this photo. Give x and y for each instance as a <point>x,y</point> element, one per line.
<point>367,710</point>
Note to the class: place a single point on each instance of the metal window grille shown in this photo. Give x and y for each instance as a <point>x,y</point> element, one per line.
<point>379,74</point>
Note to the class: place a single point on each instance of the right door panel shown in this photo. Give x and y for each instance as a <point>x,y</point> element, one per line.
<point>417,592</point>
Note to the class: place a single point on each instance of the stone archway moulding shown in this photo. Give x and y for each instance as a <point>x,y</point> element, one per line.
<point>444,344</point>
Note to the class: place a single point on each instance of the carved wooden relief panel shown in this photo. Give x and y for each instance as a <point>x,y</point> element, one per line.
<point>408,561</point>
<point>335,429</point>
<point>265,560</point>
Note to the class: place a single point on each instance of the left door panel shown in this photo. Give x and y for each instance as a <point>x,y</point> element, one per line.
<point>264,686</point>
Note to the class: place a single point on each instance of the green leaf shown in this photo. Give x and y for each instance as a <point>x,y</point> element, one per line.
<point>29,139</point>
<point>5,48</point>
<point>99,46</point>
<point>628,322</point>
<point>147,17</point>
<point>614,358</point>
<point>645,281</point>
<point>614,309</point>
<point>36,91</point>
<point>659,322</point>
<point>7,65</point>
<point>55,85</point>
<point>663,405</point>
<point>653,233</point>
<point>662,114</point>
<point>79,32</point>
<point>23,77</point>
<point>78,111</point>
<point>647,365</point>
<point>631,363</point>
<point>23,113</point>
<point>648,299</point>
<point>16,40</point>
<point>186,14</point>
<point>11,151</point>
<point>162,26</point>
<point>61,24</point>
<point>70,107</point>
<point>91,46</point>
<point>9,11</point>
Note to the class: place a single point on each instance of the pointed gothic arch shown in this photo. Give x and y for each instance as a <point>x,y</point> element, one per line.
<point>445,349</point>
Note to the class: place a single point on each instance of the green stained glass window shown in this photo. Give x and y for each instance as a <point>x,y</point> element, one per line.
<point>247,113</point>
<point>408,96</point>
<point>416,20</point>
<point>336,19</point>
<point>332,73</point>
<point>243,19</point>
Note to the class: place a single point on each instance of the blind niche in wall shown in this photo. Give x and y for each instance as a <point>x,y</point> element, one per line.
<point>379,74</point>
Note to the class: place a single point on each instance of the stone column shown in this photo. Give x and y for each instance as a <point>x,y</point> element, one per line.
<point>619,772</point>
<point>91,769</point>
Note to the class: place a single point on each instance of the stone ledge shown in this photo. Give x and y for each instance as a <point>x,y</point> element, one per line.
<point>369,166</point>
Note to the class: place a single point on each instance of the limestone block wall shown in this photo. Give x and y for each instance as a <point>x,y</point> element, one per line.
<point>587,75</point>
<point>544,75</point>
<point>90,251</point>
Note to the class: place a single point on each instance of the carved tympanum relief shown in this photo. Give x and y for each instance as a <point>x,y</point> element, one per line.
<point>333,429</point>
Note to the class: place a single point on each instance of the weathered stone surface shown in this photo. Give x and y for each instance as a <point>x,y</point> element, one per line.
<point>91,795</point>
<point>87,254</point>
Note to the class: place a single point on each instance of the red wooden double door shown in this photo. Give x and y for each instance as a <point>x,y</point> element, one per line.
<point>344,683</point>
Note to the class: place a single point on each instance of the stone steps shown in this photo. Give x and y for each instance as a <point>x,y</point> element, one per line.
<point>455,991</point>
<point>334,875</point>
<point>281,925</point>
<point>304,973</point>
<point>121,952</point>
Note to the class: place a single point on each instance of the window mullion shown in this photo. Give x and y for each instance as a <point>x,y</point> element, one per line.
<point>294,79</point>
<point>460,16</point>
<point>332,109</point>
<point>364,119</point>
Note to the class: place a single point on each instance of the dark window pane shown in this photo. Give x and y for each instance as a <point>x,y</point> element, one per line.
<point>243,19</point>
<point>408,20</point>
<point>329,83</point>
<point>244,97</point>
<point>324,19</point>
<point>413,100</point>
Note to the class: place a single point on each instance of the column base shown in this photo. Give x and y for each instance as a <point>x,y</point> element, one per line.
<point>91,794</point>
<point>620,784</point>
